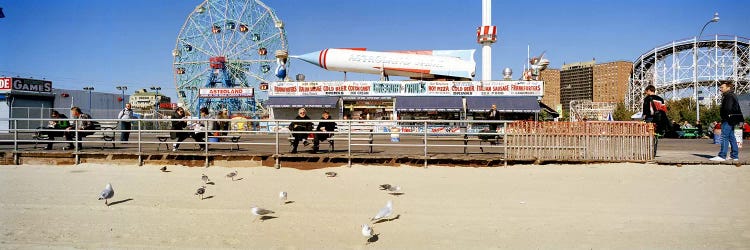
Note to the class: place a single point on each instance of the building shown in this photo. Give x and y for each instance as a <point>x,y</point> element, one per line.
<point>611,81</point>
<point>551,79</point>
<point>576,83</point>
<point>408,100</point>
<point>142,100</point>
<point>25,98</point>
<point>606,82</point>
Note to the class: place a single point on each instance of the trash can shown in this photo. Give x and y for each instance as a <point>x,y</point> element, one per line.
<point>395,136</point>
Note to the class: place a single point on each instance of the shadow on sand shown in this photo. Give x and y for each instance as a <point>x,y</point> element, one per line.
<point>387,220</point>
<point>120,201</point>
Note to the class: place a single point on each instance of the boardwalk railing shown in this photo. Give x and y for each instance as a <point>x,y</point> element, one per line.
<point>580,141</point>
<point>558,141</point>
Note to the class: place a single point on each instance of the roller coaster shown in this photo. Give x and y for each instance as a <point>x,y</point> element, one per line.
<point>676,68</point>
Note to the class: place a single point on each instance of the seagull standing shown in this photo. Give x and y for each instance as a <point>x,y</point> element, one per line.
<point>331,174</point>
<point>384,212</point>
<point>205,178</point>
<point>367,232</point>
<point>107,193</point>
<point>201,190</point>
<point>163,169</point>
<point>232,175</point>
<point>260,212</point>
<point>282,197</point>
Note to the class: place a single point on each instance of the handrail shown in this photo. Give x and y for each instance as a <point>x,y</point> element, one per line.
<point>434,136</point>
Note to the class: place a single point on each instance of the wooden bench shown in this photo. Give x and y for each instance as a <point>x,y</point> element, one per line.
<point>359,132</point>
<point>163,139</point>
<point>234,138</point>
<point>342,134</point>
<point>466,138</point>
<point>105,132</point>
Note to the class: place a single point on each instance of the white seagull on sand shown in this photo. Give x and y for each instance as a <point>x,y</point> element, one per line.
<point>384,212</point>
<point>367,232</point>
<point>260,212</point>
<point>282,197</point>
<point>107,193</point>
<point>232,174</point>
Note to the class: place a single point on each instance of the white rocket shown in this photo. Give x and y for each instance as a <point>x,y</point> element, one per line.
<point>418,64</point>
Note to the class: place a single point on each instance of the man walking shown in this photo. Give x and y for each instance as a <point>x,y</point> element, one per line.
<point>126,114</point>
<point>731,116</point>
<point>655,111</point>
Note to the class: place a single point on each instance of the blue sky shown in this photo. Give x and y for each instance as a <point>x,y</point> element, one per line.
<point>79,43</point>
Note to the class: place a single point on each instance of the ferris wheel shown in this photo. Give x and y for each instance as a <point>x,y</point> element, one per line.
<point>225,53</point>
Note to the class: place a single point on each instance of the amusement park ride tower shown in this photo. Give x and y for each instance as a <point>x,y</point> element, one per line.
<point>486,36</point>
<point>224,56</point>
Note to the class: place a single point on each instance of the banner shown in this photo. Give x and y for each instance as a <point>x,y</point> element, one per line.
<point>408,88</point>
<point>225,93</point>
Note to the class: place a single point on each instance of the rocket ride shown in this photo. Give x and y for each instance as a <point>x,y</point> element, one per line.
<point>416,64</point>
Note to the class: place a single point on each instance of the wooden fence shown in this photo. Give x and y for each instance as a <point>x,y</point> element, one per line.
<point>580,141</point>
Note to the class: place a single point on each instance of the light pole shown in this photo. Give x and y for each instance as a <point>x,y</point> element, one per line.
<point>89,89</point>
<point>122,88</point>
<point>695,68</point>
<point>156,97</point>
<point>158,101</point>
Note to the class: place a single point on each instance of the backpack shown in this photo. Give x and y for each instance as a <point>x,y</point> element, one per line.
<point>660,120</point>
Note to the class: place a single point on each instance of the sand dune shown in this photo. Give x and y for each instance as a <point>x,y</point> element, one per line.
<point>616,206</point>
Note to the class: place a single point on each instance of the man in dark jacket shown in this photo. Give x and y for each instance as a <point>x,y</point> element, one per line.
<point>83,122</point>
<point>298,127</point>
<point>323,127</point>
<point>654,111</point>
<point>731,116</point>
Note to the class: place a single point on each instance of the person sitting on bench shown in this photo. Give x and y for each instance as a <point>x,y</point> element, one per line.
<point>57,125</point>
<point>300,129</point>
<point>323,127</point>
<point>84,122</point>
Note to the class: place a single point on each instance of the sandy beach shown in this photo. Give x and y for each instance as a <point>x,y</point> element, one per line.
<point>598,206</point>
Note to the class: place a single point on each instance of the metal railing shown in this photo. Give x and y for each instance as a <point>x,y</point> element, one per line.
<point>528,140</point>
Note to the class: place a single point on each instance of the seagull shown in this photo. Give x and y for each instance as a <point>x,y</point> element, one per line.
<point>331,174</point>
<point>232,175</point>
<point>107,193</point>
<point>282,197</point>
<point>163,169</point>
<point>260,212</point>
<point>384,212</point>
<point>390,188</point>
<point>367,232</point>
<point>205,178</point>
<point>201,190</point>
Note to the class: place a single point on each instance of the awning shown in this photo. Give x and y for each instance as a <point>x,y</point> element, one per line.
<point>429,103</point>
<point>302,102</point>
<point>508,104</point>
<point>549,110</point>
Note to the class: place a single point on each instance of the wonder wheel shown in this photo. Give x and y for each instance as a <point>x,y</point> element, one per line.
<point>225,54</point>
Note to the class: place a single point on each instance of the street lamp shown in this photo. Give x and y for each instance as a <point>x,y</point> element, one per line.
<point>89,89</point>
<point>122,88</point>
<point>158,101</point>
<point>156,97</point>
<point>695,67</point>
